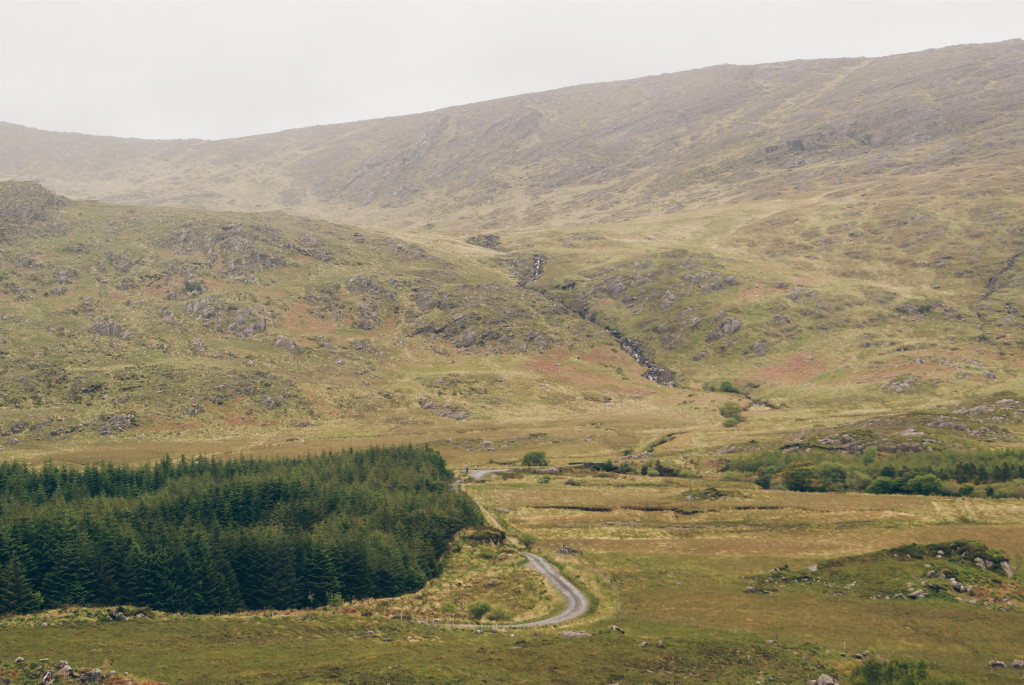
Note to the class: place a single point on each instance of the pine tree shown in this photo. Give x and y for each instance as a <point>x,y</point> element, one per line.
<point>16,593</point>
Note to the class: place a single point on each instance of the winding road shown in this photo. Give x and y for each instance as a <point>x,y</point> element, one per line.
<point>576,603</point>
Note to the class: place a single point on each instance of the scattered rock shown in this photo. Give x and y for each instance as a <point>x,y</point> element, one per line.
<point>116,423</point>
<point>575,633</point>
<point>565,549</point>
<point>727,326</point>
<point>107,327</point>
<point>900,384</point>
<point>488,240</point>
<point>283,342</point>
<point>759,348</point>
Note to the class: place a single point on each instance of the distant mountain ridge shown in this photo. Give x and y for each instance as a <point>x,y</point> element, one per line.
<point>585,154</point>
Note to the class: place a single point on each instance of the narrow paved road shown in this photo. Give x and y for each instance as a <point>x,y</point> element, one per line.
<point>576,603</point>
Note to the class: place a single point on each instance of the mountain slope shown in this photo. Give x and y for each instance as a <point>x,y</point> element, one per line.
<point>600,152</point>
<point>167,323</point>
<point>836,239</point>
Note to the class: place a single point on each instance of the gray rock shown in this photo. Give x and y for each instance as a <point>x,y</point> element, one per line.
<point>617,629</point>
<point>1017,663</point>
<point>1005,566</point>
<point>19,660</point>
<point>285,343</point>
<point>727,326</point>
<point>759,348</point>
<point>47,677</point>
<point>93,676</point>
<point>918,594</point>
<point>995,663</point>
<point>116,423</point>
<point>824,679</point>
<point>575,633</point>
<point>107,327</point>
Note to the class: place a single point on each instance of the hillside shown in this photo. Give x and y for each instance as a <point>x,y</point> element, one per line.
<point>898,126</point>
<point>839,240</point>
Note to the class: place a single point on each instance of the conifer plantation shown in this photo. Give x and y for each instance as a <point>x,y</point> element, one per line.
<point>209,536</point>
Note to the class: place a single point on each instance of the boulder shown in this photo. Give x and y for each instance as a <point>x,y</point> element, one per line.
<point>918,594</point>
<point>93,676</point>
<point>285,343</point>
<point>1007,571</point>
<point>107,327</point>
<point>995,663</point>
<point>1017,663</point>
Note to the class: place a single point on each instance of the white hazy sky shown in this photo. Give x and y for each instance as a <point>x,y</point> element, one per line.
<point>183,69</point>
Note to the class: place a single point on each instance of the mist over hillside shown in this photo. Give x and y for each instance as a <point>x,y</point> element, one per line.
<point>593,153</point>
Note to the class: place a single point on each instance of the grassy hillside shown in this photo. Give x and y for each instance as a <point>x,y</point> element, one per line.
<point>216,331</point>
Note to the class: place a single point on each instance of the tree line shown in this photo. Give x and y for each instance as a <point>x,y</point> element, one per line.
<point>992,473</point>
<point>209,536</point>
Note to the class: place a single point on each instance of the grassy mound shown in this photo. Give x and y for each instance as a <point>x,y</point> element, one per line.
<point>961,570</point>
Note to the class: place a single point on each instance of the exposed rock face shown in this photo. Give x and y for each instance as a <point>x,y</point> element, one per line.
<point>727,326</point>
<point>488,240</point>
<point>227,317</point>
<point>118,423</point>
<point>108,328</point>
<point>901,384</point>
<point>285,343</point>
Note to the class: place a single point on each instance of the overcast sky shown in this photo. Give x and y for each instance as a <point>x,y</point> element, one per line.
<point>229,69</point>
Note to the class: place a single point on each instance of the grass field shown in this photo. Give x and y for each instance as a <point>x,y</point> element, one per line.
<point>660,563</point>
